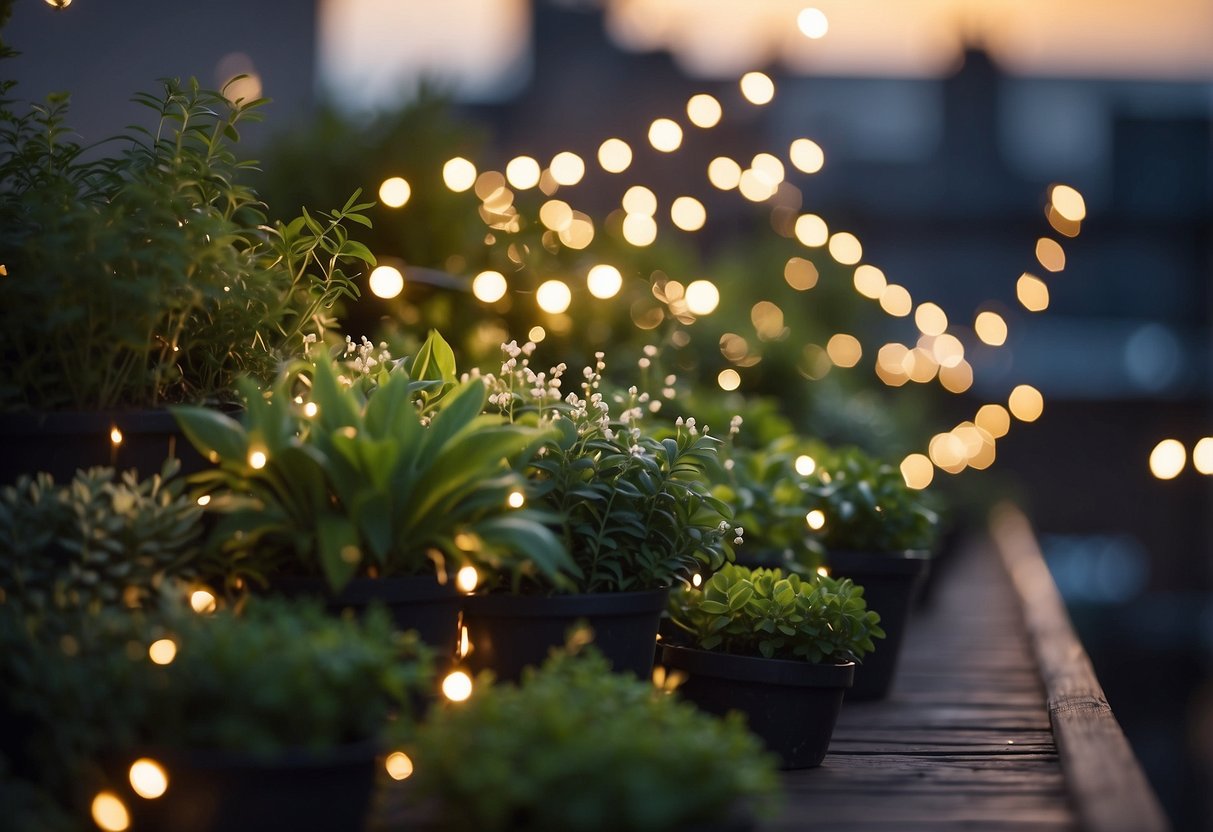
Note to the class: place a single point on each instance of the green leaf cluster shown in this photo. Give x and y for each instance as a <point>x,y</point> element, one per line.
<point>762,612</point>
<point>151,275</point>
<point>635,510</point>
<point>868,506</point>
<point>576,748</point>
<point>278,676</point>
<point>97,541</point>
<point>397,481</point>
<point>770,499</point>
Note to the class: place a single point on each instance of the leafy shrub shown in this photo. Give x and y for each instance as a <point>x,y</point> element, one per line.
<point>576,748</point>
<point>97,541</point>
<point>868,506</point>
<point>761,612</point>
<point>151,276</point>
<point>384,483</point>
<point>633,505</point>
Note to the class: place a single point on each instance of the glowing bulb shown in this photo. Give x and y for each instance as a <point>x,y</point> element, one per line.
<point>845,248</point>
<point>823,572</point>
<point>1167,459</point>
<point>115,436</point>
<point>311,409</point>
<point>812,230</point>
<point>1026,403</point>
<point>386,282</point>
<point>896,300</point>
<point>665,135</point>
<point>704,111</point>
<point>639,200</point>
<point>639,229</point>
<point>204,500</point>
<point>109,812</point>
<point>162,651</point>
<point>489,287</point>
<point>994,420</point>
<point>556,214</point>
<point>755,186</point>
<point>991,328</point>
<point>537,334</point>
<point>614,155</point>
<point>870,282</point>
<point>930,319</point>
<point>459,174</point>
<point>688,213</point>
<point>696,579</point>
<point>816,519</point>
<point>1050,254</point>
<point>805,465</point>
<point>1068,203</point>
<point>729,379</point>
<point>516,499</point>
<point>203,602</point>
<point>813,23</point>
<point>800,274</point>
<point>724,173</point>
<point>257,460</point>
<point>553,296</point>
<point>522,172</point>
<point>398,765</point>
<point>59,4</point>
<point>603,281</point>
<point>768,167</point>
<point>757,88</point>
<point>394,192</point>
<point>918,471</point>
<point>807,155</point>
<point>148,778</point>
<point>1202,455</point>
<point>702,297</point>
<point>844,350</point>
<point>567,168</point>
<point>457,686</point>
<point>467,578</point>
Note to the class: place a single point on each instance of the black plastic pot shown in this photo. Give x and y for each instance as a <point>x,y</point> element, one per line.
<point>791,705</point>
<point>62,442</point>
<point>215,791</point>
<point>416,602</point>
<point>510,632</point>
<point>890,581</point>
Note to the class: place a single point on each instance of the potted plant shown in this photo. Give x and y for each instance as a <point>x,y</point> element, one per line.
<point>878,532</point>
<point>267,719</point>
<point>361,495</point>
<point>780,649</point>
<point>143,278</point>
<point>97,541</point>
<point>630,506</point>
<point>578,749</point>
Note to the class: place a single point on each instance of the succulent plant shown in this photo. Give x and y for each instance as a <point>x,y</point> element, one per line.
<point>99,540</point>
<point>576,748</point>
<point>762,612</point>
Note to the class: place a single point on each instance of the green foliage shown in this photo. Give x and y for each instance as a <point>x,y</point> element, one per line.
<point>761,612</point>
<point>97,541</point>
<point>868,506</point>
<point>394,482</point>
<point>634,507</point>
<point>151,276</point>
<point>279,676</point>
<point>575,748</point>
<point>770,499</point>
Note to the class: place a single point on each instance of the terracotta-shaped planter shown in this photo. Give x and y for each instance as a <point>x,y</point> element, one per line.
<point>510,632</point>
<point>891,582</point>
<point>791,705</point>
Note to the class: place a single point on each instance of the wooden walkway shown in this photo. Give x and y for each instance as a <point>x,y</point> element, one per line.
<point>965,739</point>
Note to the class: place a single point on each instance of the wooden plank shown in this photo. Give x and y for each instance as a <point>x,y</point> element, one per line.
<point>1105,780</point>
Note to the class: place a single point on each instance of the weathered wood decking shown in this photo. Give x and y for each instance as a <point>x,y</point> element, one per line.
<point>965,739</point>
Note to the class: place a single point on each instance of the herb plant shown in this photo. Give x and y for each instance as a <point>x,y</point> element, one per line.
<point>150,276</point>
<point>389,483</point>
<point>98,541</point>
<point>576,748</point>
<point>762,612</point>
<point>634,507</point>
<point>867,506</point>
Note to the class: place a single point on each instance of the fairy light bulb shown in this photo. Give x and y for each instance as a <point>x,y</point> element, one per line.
<point>148,778</point>
<point>457,686</point>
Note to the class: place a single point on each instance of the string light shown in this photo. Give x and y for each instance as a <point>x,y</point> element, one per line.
<point>724,173</point>
<point>489,286</point>
<point>665,135</point>
<point>553,296</point>
<point>816,519</point>
<point>702,297</point>
<point>813,23</point>
<point>516,499</point>
<point>148,778</point>
<point>757,87</point>
<point>467,578</point>
<point>614,155</point>
<point>729,379</point>
<point>805,465</point>
<point>457,686</point>
<point>398,765</point>
<point>522,172</point>
<point>704,111</point>
<point>109,812</point>
<point>1168,458</point>
<point>459,174</point>
<point>115,436</point>
<point>807,156</point>
<point>162,651</point>
<point>394,192</point>
<point>386,282</point>
<point>604,281</point>
<point>567,168</point>
<point>203,602</point>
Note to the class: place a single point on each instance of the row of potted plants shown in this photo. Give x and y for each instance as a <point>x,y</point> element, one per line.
<point>489,512</point>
